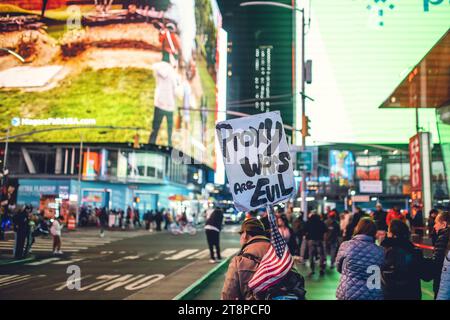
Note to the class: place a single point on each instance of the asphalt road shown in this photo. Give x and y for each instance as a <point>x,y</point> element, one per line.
<point>113,267</point>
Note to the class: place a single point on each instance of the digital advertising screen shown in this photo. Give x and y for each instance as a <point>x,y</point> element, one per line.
<point>361,51</point>
<point>139,67</point>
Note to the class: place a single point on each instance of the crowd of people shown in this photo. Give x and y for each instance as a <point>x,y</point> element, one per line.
<point>359,245</point>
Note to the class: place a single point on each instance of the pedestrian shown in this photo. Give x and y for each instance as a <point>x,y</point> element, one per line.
<point>354,222</point>
<point>128,217</point>
<point>416,220</point>
<point>332,236</point>
<point>158,219</point>
<point>288,234</point>
<point>20,225</point>
<point>121,217</point>
<point>379,216</point>
<point>394,214</point>
<point>213,226</point>
<point>31,228</point>
<point>444,286</point>
<point>298,229</point>
<point>355,260</point>
<point>401,270</point>
<point>242,267</point>
<point>55,231</point>
<point>137,218</point>
<point>345,220</point>
<point>315,230</point>
<point>431,232</point>
<point>435,263</point>
<point>103,219</point>
<point>167,219</point>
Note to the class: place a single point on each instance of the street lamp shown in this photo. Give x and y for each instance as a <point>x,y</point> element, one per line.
<point>304,130</point>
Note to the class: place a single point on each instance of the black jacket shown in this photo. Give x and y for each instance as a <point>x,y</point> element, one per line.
<point>215,219</point>
<point>401,271</point>
<point>435,263</point>
<point>315,229</point>
<point>380,220</point>
<point>333,230</point>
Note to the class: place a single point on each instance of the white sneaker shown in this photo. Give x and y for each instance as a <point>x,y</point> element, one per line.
<point>212,261</point>
<point>60,252</point>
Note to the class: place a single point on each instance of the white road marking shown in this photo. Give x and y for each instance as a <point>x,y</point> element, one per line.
<point>229,252</point>
<point>16,279</point>
<point>182,254</point>
<point>200,255</point>
<point>41,262</point>
<point>64,262</point>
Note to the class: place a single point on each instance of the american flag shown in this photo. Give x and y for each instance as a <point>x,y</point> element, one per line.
<point>275,264</point>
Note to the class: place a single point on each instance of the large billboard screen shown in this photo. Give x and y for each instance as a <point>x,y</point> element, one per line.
<point>361,50</point>
<point>149,66</point>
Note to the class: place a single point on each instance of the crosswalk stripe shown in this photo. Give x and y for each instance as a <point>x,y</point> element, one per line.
<point>17,279</point>
<point>229,252</point>
<point>7,277</point>
<point>182,254</point>
<point>64,262</point>
<point>41,262</point>
<point>40,246</point>
<point>200,255</point>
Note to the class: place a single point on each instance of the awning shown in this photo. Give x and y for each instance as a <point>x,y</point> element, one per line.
<point>428,84</point>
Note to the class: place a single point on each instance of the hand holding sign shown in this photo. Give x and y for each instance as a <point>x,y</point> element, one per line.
<point>257,160</point>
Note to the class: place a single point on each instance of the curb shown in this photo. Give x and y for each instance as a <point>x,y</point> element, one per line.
<point>201,282</point>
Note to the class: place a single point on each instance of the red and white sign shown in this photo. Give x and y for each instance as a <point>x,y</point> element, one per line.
<point>415,163</point>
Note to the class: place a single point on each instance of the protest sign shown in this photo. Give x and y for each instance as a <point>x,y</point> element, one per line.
<point>257,160</point>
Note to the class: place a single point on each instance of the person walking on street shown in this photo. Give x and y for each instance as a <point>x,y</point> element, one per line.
<point>354,222</point>
<point>158,219</point>
<point>394,214</point>
<point>288,234</point>
<point>55,231</point>
<point>20,224</point>
<point>431,219</point>
<point>315,231</point>
<point>103,219</point>
<point>436,262</point>
<point>416,220</point>
<point>345,220</point>
<point>379,216</point>
<point>30,230</point>
<point>242,267</point>
<point>401,270</point>
<point>332,236</point>
<point>354,258</point>
<point>213,226</point>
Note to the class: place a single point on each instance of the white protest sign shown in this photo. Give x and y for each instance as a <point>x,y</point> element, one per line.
<point>257,160</point>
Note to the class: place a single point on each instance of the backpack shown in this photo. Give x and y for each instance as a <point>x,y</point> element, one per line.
<point>291,287</point>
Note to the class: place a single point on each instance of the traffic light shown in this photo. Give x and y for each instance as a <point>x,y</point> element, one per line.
<point>136,141</point>
<point>137,199</point>
<point>305,126</point>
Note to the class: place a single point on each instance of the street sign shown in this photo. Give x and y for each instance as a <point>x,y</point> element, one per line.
<point>304,161</point>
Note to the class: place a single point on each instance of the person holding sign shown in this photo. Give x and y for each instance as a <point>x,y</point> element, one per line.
<point>259,168</point>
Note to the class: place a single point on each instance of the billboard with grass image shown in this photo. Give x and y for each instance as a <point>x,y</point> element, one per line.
<point>149,65</point>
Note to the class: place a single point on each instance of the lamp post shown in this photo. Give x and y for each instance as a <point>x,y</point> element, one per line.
<point>304,204</point>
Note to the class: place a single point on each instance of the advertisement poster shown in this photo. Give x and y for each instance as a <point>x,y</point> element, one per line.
<point>149,65</point>
<point>342,167</point>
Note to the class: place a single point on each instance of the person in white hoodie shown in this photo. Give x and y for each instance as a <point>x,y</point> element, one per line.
<point>55,231</point>
<point>167,83</point>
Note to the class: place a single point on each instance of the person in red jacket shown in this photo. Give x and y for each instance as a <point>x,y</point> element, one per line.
<point>394,214</point>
